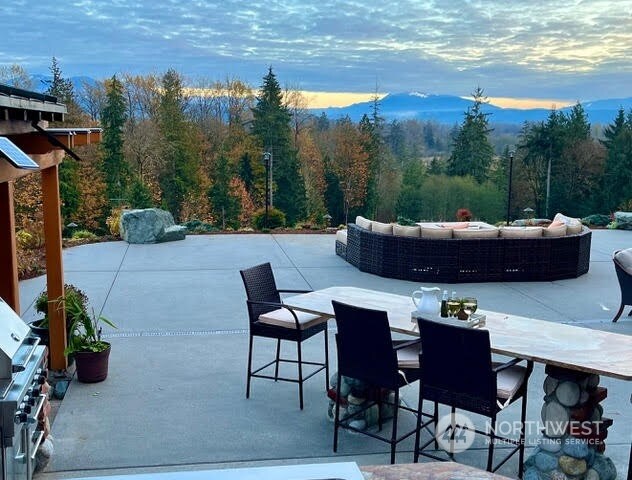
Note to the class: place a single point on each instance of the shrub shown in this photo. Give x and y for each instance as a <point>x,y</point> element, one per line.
<point>405,221</point>
<point>27,240</point>
<point>597,220</point>
<point>198,226</point>
<point>114,221</point>
<point>70,292</point>
<point>276,218</point>
<point>83,234</point>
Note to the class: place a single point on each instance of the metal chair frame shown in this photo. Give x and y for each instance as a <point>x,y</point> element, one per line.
<point>475,391</point>
<point>625,284</point>
<point>260,289</point>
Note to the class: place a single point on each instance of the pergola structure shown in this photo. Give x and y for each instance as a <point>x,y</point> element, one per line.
<point>24,118</point>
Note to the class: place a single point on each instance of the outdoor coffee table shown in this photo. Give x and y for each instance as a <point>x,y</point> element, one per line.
<point>574,357</point>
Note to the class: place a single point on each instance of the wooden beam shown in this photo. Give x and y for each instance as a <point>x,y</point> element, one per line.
<point>9,286</point>
<point>8,172</point>
<point>54,266</point>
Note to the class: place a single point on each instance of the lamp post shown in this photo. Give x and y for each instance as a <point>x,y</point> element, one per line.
<point>511,157</point>
<point>267,160</point>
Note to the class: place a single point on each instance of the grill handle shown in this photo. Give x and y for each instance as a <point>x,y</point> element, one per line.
<point>20,367</point>
<point>36,444</point>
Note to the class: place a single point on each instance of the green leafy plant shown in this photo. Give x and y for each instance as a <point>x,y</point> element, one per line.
<point>83,234</point>
<point>276,218</point>
<point>405,221</point>
<point>85,332</point>
<point>70,292</point>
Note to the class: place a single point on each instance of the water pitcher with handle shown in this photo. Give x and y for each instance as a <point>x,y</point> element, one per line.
<point>427,301</point>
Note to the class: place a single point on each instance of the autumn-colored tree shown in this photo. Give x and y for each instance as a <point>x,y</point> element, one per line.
<point>93,208</point>
<point>350,164</point>
<point>313,171</point>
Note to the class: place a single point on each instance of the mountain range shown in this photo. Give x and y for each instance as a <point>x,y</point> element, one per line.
<point>446,109</point>
<point>449,109</point>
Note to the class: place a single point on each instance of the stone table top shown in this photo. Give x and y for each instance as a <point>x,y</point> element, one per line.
<point>427,471</point>
<point>561,345</point>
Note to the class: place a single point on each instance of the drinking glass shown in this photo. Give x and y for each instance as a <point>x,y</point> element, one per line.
<point>470,304</point>
<point>454,305</point>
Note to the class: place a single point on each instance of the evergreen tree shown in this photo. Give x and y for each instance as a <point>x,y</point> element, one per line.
<point>271,125</point>
<point>139,195</point>
<point>113,117</point>
<point>58,86</point>
<point>226,207</point>
<point>616,183</point>
<point>178,173</point>
<point>372,146</point>
<point>472,152</point>
<point>409,202</point>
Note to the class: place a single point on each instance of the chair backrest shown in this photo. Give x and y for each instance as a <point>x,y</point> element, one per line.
<point>457,366</point>
<point>260,287</point>
<point>623,267</point>
<point>365,346</point>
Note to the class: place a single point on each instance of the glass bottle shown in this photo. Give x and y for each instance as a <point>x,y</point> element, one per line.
<point>444,304</point>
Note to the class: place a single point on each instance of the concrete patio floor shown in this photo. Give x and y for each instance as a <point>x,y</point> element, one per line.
<point>175,396</point>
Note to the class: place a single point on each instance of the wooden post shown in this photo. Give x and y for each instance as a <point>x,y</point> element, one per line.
<point>54,266</point>
<point>9,287</point>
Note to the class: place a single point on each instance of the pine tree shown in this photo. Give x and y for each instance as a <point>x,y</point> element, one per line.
<point>113,119</point>
<point>271,125</point>
<point>616,183</point>
<point>472,152</point>
<point>178,172</point>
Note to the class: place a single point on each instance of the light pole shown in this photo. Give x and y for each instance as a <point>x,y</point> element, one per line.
<point>267,160</point>
<point>511,157</point>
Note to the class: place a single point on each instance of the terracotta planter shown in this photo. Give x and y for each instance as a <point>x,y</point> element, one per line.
<point>92,366</point>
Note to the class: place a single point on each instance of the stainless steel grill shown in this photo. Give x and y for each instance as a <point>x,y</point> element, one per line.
<point>22,374</point>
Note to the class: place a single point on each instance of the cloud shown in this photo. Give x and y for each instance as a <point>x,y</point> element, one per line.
<point>533,48</point>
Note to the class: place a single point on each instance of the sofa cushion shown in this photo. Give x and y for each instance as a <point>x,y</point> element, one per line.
<point>476,233</point>
<point>407,231</point>
<point>573,225</point>
<point>554,231</point>
<point>520,232</point>
<point>436,232</point>
<point>624,259</point>
<point>455,225</point>
<point>379,227</point>
<point>363,222</point>
<point>341,236</point>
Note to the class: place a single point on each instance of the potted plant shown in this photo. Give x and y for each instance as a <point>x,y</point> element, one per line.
<point>84,342</point>
<point>40,327</point>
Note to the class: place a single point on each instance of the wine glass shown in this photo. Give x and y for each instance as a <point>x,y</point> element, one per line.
<point>470,304</point>
<point>454,305</point>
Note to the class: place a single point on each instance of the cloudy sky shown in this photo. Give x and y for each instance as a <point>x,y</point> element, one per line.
<point>570,49</point>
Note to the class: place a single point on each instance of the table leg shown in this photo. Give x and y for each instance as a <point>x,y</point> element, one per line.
<point>574,430</point>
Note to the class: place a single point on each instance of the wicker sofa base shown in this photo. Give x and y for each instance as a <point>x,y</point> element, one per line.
<point>341,249</point>
<point>467,260</point>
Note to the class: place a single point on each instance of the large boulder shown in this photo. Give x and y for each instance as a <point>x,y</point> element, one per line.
<point>624,220</point>
<point>150,225</point>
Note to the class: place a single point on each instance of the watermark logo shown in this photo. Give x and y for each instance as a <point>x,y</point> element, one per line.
<point>455,433</point>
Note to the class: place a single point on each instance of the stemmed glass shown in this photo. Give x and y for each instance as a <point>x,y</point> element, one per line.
<point>454,305</point>
<point>470,304</point>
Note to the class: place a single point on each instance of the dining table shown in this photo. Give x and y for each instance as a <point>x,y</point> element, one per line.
<point>575,358</point>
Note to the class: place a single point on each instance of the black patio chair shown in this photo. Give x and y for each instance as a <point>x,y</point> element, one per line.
<point>367,352</point>
<point>264,297</point>
<point>623,266</point>
<point>458,371</point>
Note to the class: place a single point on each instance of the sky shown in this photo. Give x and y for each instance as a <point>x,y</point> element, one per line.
<point>544,50</point>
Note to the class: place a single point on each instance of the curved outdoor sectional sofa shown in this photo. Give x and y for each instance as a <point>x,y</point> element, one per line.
<point>479,253</point>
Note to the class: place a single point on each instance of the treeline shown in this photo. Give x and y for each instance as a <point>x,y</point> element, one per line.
<point>197,149</point>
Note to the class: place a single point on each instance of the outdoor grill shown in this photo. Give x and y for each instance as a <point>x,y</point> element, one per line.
<point>22,375</point>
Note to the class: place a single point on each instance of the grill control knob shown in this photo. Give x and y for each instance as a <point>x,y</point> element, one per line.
<point>20,417</point>
<point>43,375</point>
<point>41,379</point>
<point>27,408</point>
<point>35,392</point>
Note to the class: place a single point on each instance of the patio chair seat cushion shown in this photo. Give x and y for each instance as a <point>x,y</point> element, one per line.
<point>407,231</point>
<point>554,231</point>
<point>476,233</point>
<point>573,225</point>
<point>363,222</point>
<point>509,380</point>
<point>379,227</point>
<point>341,236</point>
<point>408,357</point>
<point>283,318</point>
<point>521,232</point>
<point>624,259</point>
<point>436,232</point>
